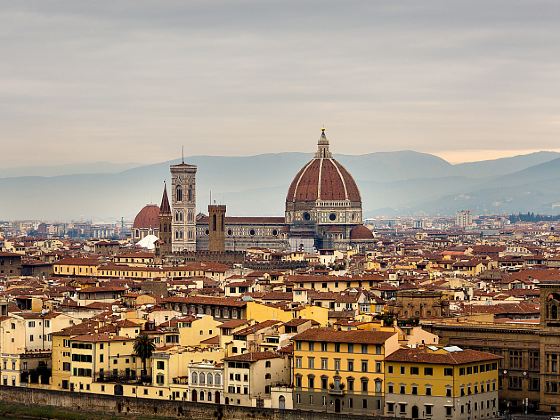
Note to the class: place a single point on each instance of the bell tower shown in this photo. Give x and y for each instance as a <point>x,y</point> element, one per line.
<point>165,229</point>
<point>183,198</point>
<point>216,228</point>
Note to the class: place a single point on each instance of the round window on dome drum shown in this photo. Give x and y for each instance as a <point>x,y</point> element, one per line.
<point>274,232</point>
<point>252,232</point>
<point>332,217</point>
<point>306,216</point>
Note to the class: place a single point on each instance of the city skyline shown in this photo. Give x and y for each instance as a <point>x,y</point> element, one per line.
<point>135,81</point>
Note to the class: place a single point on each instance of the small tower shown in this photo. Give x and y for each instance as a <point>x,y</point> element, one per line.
<point>216,228</point>
<point>165,222</point>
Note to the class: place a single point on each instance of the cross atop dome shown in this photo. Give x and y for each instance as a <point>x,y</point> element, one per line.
<point>323,151</point>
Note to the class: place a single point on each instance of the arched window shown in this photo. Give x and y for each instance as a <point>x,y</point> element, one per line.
<point>179,193</point>
<point>554,312</point>
<point>194,378</point>
<point>267,364</point>
<point>201,395</point>
<point>210,379</point>
<point>267,376</point>
<point>202,379</point>
<point>214,222</point>
<point>218,378</point>
<point>190,193</point>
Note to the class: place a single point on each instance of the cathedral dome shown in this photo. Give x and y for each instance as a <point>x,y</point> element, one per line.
<point>323,179</point>
<point>360,232</point>
<point>147,218</point>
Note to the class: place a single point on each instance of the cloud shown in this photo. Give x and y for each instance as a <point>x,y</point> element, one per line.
<point>133,80</point>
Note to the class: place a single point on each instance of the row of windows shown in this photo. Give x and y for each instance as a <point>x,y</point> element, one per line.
<point>336,383</point>
<point>206,379</point>
<point>475,369</point>
<point>350,366</point>
<point>339,348</point>
<point>350,401</point>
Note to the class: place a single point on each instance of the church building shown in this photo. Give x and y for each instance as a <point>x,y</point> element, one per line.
<point>323,211</point>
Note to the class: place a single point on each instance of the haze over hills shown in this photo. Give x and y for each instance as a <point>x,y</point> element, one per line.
<point>404,182</point>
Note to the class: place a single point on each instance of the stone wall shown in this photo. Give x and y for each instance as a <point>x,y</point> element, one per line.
<point>154,408</point>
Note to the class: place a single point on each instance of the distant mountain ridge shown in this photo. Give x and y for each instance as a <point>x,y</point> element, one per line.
<point>403,182</point>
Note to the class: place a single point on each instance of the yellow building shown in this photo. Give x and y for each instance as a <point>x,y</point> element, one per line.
<point>341,371</point>
<point>429,382</point>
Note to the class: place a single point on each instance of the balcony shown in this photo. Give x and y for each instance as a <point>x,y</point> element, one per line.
<point>336,389</point>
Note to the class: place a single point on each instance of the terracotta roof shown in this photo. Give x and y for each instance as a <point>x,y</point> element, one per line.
<point>323,179</point>
<point>205,300</point>
<point>246,220</point>
<point>360,232</point>
<point>333,336</point>
<point>147,218</point>
<point>425,355</point>
<point>257,327</point>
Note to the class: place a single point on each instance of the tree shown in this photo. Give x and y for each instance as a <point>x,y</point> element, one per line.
<point>144,348</point>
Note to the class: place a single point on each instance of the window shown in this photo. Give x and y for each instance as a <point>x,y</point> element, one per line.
<point>364,365</point>
<point>428,371</point>
<point>298,362</point>
<point>448,371</point>
<point>311,382</point>
<point>378,367</point>
<point>414,390</point>
<point>311,346</point>
<point>324,346</point>
<point>31,324</point>
<point>390,407</point>
<point>337,347</point>
<point>364,348</point>
<point>448,392</point>
<point>428,390</point>
<point>402,370</point>
<point>364,385</point>
<point>402,408</point>
<point>448,411</point>
<point>298,345</point>
<point>364,403</point>
<point>390,369</point>
<point>324,380</point>
<point>324,363</point>
<point>298,381</point>
<point>310,362</point>
<point>414,370</point>
<point>350,384</point>
<point>514,382</point>
<point>160,364</point>
<point>378,386</point>
<point>350,348</point>
<point>350,365</point>
<point>534,360</point>
<point>403,389</point>
<point>336,364</point>
<point>428,409</point>
<point>515,359</point>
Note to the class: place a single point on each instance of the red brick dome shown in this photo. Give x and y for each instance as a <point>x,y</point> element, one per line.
<point>147,218</point>
<point>360,232</point>
<point>323,178</point>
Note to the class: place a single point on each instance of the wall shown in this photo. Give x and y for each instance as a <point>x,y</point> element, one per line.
<point>154,408</point>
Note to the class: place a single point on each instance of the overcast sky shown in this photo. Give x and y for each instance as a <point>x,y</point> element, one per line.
<point>133,80</point>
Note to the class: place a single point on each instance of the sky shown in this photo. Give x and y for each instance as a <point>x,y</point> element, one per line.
<point>134,80</point>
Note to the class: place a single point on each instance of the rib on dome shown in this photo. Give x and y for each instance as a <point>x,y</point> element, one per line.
<point>323,178</point>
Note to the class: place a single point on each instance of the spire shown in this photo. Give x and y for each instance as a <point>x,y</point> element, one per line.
<point>182,154</point>
<point>323,146</point>
<point>165,208</point>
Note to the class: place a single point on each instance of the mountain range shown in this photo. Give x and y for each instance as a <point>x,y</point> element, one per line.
<point>391,183</point>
